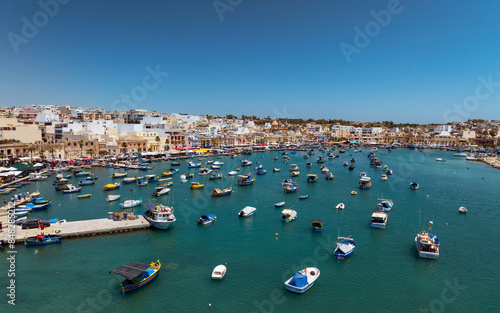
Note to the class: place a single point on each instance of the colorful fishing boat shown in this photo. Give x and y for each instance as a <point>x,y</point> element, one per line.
<point>33,206</point>
<point>166,184</point>
<point>302,280</point>
<point>365,183</point>
<point>86,182</point>
<point>215,176</point>
<point>159,216</point>
<point>38,237</point>
<point>72,189</point>
<point>193,165</point>
<point>329,176</point>
<point>137,275</point>
<point>142,183</point>
<point>221,192</point>
<point>111,186</point>
<point>312,178</point>
<point>167,174</point>
<point>261,172</point>
<point>195,185</point>
<point>82,173</point>
<point>317,224</point>
<point>291,188</point>
<point>246,180</point>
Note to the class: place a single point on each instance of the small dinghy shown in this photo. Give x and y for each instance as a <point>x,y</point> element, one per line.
<point>304,197</point>
<point>85,196</point>
<point>340,206</point>
<point>462,210</point>
<point>279,204</point>
<point>219,272</point>
<point>112,198</point>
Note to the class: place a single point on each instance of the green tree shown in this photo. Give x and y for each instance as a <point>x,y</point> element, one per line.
<point>81,143</point>
<point>42,154</point>
<point>124,146</point>
<point>52,150</point>
<point>91,152</point>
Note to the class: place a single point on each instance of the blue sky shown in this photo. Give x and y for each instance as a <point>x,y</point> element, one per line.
<point>264,58</point>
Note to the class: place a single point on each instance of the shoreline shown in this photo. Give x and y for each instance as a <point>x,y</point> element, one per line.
<point>493,162</point>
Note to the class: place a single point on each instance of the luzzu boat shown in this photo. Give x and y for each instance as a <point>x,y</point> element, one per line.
<point>221,192</point>
<point>246,180</point>
<point>118,175</point>
<point>365,183</point>
<point>193,165</point>
<point>34,206</point>
<point>111,186</point>
<point>195,185</point>
<point>35,237</point>
<point>215,176</point>
<point>137,274</point>
<point>312,178</point>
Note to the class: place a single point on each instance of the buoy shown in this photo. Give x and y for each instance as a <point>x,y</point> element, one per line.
<point>57,273</point>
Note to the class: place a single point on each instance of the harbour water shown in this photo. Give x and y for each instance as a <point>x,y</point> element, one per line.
<point>384,274</point>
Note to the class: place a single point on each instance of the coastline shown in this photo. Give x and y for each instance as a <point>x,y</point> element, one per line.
<point>493,162</point>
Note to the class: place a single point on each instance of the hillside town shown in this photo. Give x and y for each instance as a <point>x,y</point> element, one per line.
<point>65,132</point>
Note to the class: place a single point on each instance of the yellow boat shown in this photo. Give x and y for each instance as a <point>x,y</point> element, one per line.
<point>166,174</point>
<point>85,196</point>
<point>197,185</point>
<point>111,186</point>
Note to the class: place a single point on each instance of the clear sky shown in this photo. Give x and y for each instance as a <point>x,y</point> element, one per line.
<point>416,61</point>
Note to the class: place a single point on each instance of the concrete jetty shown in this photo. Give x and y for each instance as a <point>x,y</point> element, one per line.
<point>87,228</point>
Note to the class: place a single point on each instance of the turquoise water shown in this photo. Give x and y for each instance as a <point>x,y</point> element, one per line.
<point>383,275</point>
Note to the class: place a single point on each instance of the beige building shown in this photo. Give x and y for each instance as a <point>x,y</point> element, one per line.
<point>25,133</point>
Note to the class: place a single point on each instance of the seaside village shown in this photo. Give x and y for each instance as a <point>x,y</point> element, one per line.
<point>43,133</point>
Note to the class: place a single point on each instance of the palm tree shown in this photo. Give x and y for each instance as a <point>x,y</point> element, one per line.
<point>42,153</point>
<point>183,142</point>
<point>81,143</point>
<point>91,152</point>
<point>31,149</point>
<point>2,155</point>
<point>52,150</point>
<point>157,139</point>
<point>124,146</point>
<point>167,142</point>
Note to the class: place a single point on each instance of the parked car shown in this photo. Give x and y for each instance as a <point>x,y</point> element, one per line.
<point>33,223</point>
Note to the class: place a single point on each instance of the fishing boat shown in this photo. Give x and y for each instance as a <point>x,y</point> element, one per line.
<point>206,219</point>
<point>215,167</point>
<point>353,160</point>
<point>219,272</point>
<point>365,183</point>
<point>288,215</point>
<point>72,189</point>
<point>414,185</point>
<point>324,169</point>
<point>246,180</point>
<point>195,185</point>
<point>383,177</point>
<point>308,164</point>
<point>427,244</point>
<point>59,181</point>
<point>340,206</point>
<point>329,176</point>
<point>38,237</point>
<point>312,178</point>
<point>129,180</point>
<point>218,163</point>
<point>159,215</point>
<point>86,182</point>
<point>462,209</point>
<point>388,171</point>
<point>221,192</point>
<point>204,171</point>
<point>111,198</point>
<point>188,175</point>
<point>62,186</point>
<point>209,161</point>
<point>245,163</point>
<point>137,274</point>
<point>160,191</point>
<point>34,194</point>
<point>279,204</point>
<point>291,188</point>
<point>304,197</point>
<point>294,168</point>
<point>247,211</point>
<point>379,220</point>
<point>385,205</point>
<point>82,174</point>
<point>215,176</point>
<point>320,159</point>
<point>152,178</point>
<point>165,184</point>
<point>111,186</point>
<point>175,164</point>
<point>85,196</point>
<point>167,174</point>
<point>258,167</point>
<point>293,174</point>
<point>317,224</point>
<point>275,170</point>
<point>261,172</point>
<point>345,247</point>
<point>306,156</point>
<point>232,173</point>
<point>302,280</point>
<point>142,183</point>
<point>118,175</point>
<point>193,165</point>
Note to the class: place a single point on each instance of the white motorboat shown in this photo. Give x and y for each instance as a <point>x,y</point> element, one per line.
<point>340,206</point>
<point>246,163</point>
<point>385,205</point>
<point>218,163</point>
<point>232,173</point>
<point>219,272</point>
<point>130,203</point>
<point>379,220</point>
<point>440,160</point>
<point>160,191</point>
<point>112,198</point>
<point>302,280</point>
<point>462,209</point>
<point>288,215</point>
<point>427,244</point>
<point>247,211</point>
<point>159,216</point>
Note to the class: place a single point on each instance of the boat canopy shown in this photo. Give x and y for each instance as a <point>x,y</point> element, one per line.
<point>312,175</point>
<point>344,248</point>
<point>287,211</point>
<point>299,280</point>
<point>131,270</point>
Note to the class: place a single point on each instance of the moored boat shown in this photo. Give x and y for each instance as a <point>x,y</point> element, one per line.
<point>118,175</point>
<point>385,205</point>
<point>462,209</point>
<point>85,196</point>
<point>246,180</point>
<point>288,215</point>
<point>379,220</point>
<point>130,203</point>
<point>160,191</point>
<point>312,178</point>
<point>38,237</point>
<point>345,247</point>
<point>159,215</point>
<point>279,204</point>
<point>414,185</point>
<point>247,211</point>
<point>196,185</point>
<point>219,272</point>
<point>340,206</point>
<point>111,186</point>
<point>111,198</point>
<point>137,274</point>
<point>206,219</point>
<point>302,280</point>
<point>427,244</point>
<point>72,189</point>
<point>317,224</point>
<point>221,192</point>
<point>365,183</point>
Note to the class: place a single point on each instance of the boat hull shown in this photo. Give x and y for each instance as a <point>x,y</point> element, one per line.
<point>145,281</point>
<point>34,242</point>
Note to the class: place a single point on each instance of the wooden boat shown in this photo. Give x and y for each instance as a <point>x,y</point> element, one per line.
<point>86,182</point>
<point>152,178</point>
<point>219,272</point>
<point>206,219</point>
<point>129,180</point>
<point>193,165</point>
<point>295,173</point>
<point>221,192</point>
<point>188,175</point>
<point>112,198</point>
<point>302,280</point>
<point>195,185</point>
<point>261,172</point>
<point>82,173</point>
<point>62,186</point>
<point>279,204</point>
<point>291,188</point>
<point>215,176</point>
<point>312,178</point>
<point>175,164</point>
<point>142,183</point>
<point>111,186</point>
<point>345,247</point>
<point>246,180</point>
<point>317,224</point>
<point>304,197</point>
<point>85,196</point>
<point>275,170</point>
<point>215,167</point>
<point>118,175</point>
<point>37,237</point>
<point>72,189</point>
<point>137,274</point>
<point>166,174</point>
<point>166,184</point>
<point>60,181</point>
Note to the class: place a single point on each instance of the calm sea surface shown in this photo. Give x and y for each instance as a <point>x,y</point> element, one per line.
<point>384,274</point>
